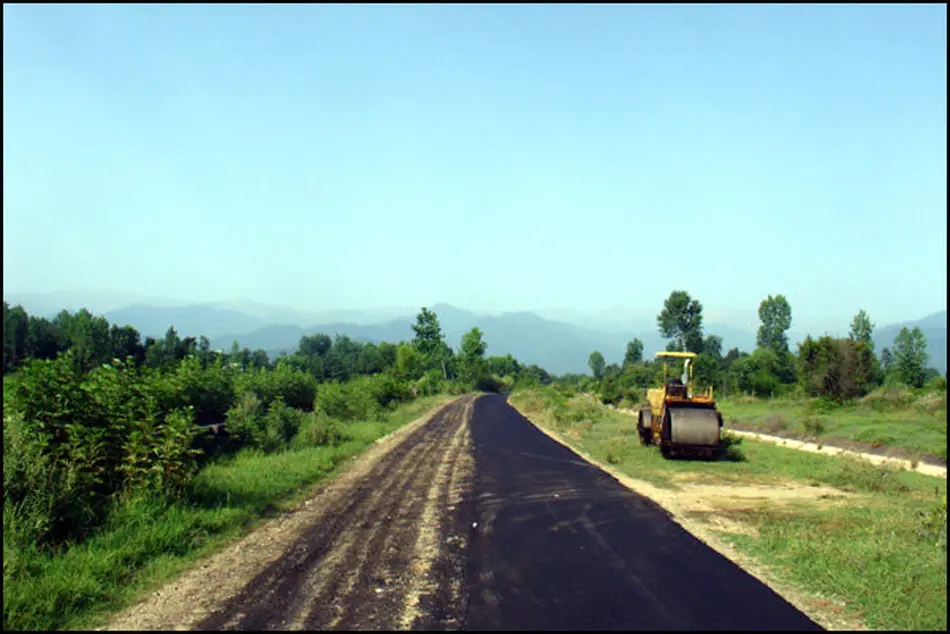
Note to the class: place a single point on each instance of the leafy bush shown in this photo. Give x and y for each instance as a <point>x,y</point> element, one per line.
<point>388,390</point>
<point>814,425</point>
<point>431,383</point>
<point>318,429</point>
<point>616,449</point>
<point>933,525</point>
<point>244,423</point>
<point>281,423</point>
<point>73,443</point>
<point>774,423</point>
<point>295,387</point>
<point>889,398</point>
<point>938,383</point>
<point>610,393</point>
<point>349,401</point>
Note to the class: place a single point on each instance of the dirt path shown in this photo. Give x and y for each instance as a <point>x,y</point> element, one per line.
<point>378,548</point>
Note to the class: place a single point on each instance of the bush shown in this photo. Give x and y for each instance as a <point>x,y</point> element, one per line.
<point>889,398</point>
<point>318,429</point>
<point>348,401</point>
<point>389,390</point>
<point>938,383</point>
<point>295,387</point>
<point>814,425</point>
<point>244,421</point>
<point>616,449</point>
<point>281,423</point>
<point>774,423</point>
<point>73,443</point>
<point>933,525</point>
<point>430,384</point>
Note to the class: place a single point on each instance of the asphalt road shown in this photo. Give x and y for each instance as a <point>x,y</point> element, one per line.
<point>477,520</point>
<point>561,545</point>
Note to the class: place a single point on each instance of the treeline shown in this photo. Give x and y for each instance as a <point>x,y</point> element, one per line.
<point>94,416</point>
<point>836,369</point>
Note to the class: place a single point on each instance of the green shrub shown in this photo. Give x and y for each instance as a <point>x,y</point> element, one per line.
<point>889,398</point>
<point>431,383</point>
<point>295,387</point>
<point>389,390</point>
<point>938,383</point>
<point>244,421</point>
<point>318,429</point>
<point>616,449</point>
<point>774,423</point>
<point>281,423</point>
<point>74,443</point>
<point>933,525</point>
<point>814,425</point>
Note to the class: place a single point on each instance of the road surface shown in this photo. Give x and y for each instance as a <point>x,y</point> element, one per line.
<point>475,520</point>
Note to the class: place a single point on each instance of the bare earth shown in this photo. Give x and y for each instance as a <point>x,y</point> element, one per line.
<point>471,519</point>
<point>369,551</point>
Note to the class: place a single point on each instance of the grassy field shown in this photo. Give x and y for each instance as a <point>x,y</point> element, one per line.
<point>915,422</point>
<point>147,543</point>
<point>866,543</point>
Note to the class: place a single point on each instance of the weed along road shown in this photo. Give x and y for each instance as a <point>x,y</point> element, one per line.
<point>472,519</point>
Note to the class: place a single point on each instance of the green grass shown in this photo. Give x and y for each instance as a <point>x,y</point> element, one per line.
<point>147,542</point>
<point>916,422</point>
<point>876,553</point>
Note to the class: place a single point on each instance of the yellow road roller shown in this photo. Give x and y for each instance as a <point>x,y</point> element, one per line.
<point>680,419</point>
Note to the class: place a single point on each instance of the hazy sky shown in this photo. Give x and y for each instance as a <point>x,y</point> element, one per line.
<point>493,157</point>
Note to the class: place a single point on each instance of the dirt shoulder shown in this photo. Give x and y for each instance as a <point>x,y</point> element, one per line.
<point>365,551</point>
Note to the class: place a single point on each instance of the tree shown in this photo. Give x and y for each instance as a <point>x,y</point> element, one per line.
<point>885,359</point>
<point>634,353</point>
<point>597,364</point>
<point>838,369</point>
<point>472,357</point>
<point>910,357</point>
<point>429,341</point>
<point>862,328</point>
<point>42,340</point>
<point>776,315</point>
<point>682,320</point>
<point>712,346</point>
<point>314,345</point>
<point>16,326</point>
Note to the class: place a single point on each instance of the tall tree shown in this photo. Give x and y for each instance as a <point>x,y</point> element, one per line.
<point>16,327</point>
<point>682,321</point>
<point>776,315</point>
<point>885,359</point>
<point>42,339</point>
<point>862,329</point>
<point>634,353</point>
<point>910,356</point>
<point>472,357</point>
<point>597,364</point>
<point>712,346</point>
<point>430,342</point>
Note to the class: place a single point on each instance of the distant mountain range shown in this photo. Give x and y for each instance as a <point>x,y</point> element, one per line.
<point>557,345</point>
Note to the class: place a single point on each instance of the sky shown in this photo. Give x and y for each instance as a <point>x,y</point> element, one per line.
<point>493,157</point>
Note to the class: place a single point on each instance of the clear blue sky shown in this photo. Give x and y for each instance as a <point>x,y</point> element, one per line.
<point>493,157</point>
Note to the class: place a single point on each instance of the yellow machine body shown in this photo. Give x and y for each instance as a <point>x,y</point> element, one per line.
<point>679,418</point>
